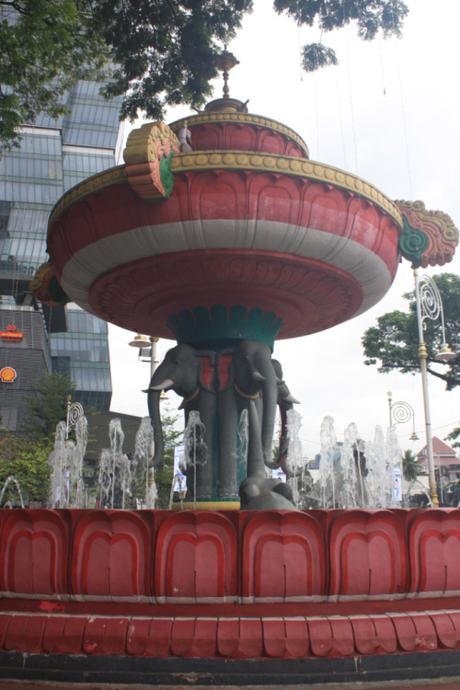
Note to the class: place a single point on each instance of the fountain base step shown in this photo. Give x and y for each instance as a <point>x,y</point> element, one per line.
<point>221,504</point>
<point>234,597</point>
<point>223,672</point>
<point>229,637</point>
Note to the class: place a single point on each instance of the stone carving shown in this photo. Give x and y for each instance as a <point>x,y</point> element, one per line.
<point>147,155</point>
<point>46,287</point>
<point>221,385</point>
<point>429,238</point>
<point>258,493</point>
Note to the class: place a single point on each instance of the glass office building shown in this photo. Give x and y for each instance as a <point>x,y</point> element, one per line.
<point>53,156</point>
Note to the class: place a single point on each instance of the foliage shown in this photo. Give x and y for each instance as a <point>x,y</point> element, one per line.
<point>455,437</point>
<point>164,51</point>
<point>25,456</point>
<point>47,45</point>
<point>410,466</point>
<point>163,480</point>
<point>393,343</point>
<point>47,407</point>
<point>27,461</point>
<point>172,437</point>
<point>371,17</point>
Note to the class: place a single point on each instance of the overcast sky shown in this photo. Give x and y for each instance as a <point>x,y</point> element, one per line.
<point>390,113</point>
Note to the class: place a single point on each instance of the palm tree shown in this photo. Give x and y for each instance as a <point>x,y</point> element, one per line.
<point>410,466</point>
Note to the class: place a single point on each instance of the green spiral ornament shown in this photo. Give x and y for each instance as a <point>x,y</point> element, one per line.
<point>412,243</point>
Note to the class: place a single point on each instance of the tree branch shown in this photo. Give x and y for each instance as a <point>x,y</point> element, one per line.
<point>444,377</point>
<point>14,4</point>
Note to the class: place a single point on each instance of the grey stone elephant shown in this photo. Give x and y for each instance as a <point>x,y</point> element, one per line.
<point>219,385</point>
<point>180,371</point>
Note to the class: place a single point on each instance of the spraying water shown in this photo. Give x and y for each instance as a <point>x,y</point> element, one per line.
<point>355,474</point>
<point>195,449</point>
<point>67,489</point>
<point>76,458</point>
<point>294,456</point>
<point>114,470</point>
<point>377,478</point>
<point>328,462</point>
<point>58,462</point>
<point>142,468</point>
<point>11,480</point>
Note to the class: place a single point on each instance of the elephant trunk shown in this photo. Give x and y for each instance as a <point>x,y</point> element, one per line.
<point>270,398</point>
<point>154,412</point>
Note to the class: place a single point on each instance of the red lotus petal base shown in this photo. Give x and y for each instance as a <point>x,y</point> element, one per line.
<point>229,585</point>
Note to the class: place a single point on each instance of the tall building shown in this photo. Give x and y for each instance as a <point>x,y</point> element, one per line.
<point>53,156</point>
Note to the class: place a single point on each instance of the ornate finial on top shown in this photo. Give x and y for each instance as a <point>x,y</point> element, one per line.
<point>225,62</point>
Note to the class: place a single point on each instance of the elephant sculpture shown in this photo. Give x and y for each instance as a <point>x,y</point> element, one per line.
<point>286,402</point>
<point>181,372</point>
<point>220,384</point>
<point>265,494</point>
<point>255,386</point>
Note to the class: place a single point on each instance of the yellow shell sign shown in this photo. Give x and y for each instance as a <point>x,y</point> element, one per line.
<point>7,374</point>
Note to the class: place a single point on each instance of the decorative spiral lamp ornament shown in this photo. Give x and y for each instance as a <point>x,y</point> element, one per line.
<point>430,300</point>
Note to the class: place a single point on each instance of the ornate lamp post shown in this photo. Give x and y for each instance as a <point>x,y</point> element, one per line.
<point>400,412</point>
<point>429,306</point>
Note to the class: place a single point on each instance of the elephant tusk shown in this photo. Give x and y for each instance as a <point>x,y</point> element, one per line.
<point>291,399</point>
<point>258,376</point>
<point>164,385</point>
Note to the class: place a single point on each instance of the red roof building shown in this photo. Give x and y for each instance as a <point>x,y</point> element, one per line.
<point>444,459</point>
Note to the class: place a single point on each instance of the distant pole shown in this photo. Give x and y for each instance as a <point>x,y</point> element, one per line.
<point>390,401</point>
<point>423,356</point>
<point>153,354</point>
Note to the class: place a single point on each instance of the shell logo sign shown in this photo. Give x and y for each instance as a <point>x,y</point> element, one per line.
<point>11,334</point>
<point>8,374</point>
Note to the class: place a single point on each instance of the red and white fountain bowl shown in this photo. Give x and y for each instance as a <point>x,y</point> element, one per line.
<point>262,229</point>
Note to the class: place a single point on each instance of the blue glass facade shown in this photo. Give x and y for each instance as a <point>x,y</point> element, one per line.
<point>55,155</point>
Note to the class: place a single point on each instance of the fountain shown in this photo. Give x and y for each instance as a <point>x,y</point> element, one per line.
<point>226,246</point>
<point>142,459</point>
<point>115,475</point>
<point>195,449</point>
<point>66,462</point>
<point>6,485</point>
<point>358,474</point>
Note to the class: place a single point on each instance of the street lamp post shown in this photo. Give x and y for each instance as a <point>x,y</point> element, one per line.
<point>149,343</point>
<point>429,306</point>
<point>147,347</point>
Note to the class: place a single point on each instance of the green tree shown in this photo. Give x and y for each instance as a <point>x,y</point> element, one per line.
<point>371,16</point>
<point>454,436</point>
<point>410,466</point>
<point>393,343</point>
<point>25,455</point>
<point>27,462</point>
<point>164,51</point>
<point>47,45</point>
<point>47,407</point>
<point>172,437</point>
